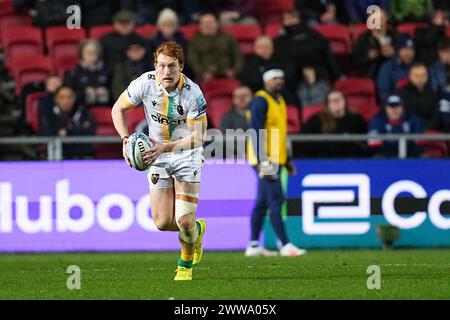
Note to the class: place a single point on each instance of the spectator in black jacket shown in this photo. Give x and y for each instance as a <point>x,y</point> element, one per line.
<point>137,62</point>
<point>314,11</point>
<point>89,78</point>
<point>440,68</point>
<point>335,118</point>
<point>374,47</point>
<point>301,46</point>
<point>68,119</point>
<point>259,62</point>
<point>115,43</point>
<point>419,98</point>
<point>427,39</point>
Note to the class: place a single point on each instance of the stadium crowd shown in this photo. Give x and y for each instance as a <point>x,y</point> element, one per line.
<point>340,76</point>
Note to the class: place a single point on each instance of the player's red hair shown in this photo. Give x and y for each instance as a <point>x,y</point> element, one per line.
<point>171,49</point>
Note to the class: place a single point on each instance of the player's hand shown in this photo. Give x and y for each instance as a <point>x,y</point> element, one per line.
<point>124,151</point>
<point>291,168</point>
<point>267,170</point>
<point>155,152</point>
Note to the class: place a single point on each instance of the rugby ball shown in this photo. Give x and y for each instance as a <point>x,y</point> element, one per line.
<point>138,144</point>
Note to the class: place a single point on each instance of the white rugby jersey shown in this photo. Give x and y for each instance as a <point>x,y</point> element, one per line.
<point>168,114</point>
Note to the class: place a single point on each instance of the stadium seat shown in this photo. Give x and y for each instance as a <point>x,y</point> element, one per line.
<point>269,11</point>
<point>273,29</point>
<point>338,36</point>
<point>361,95</point>
<point>99,31</point>
<point>29,68</point>
<point>220,85</point>
<point>14,20</point>
<point>357,30</point>
<point>245,34</point>
<point>21,40</point>
<point>63,42</point>
<point>188,30</point>
<point>294,122</point>
<point>65,63</point>
<point>147,30</point>
<point>105,127</point>
<point>309,111</point>
<point>6,8</point>
<point>134,117</point>
<point>410,27</point>
<point>218,104</point>
<point>32,109</point>
<point>434,149</point>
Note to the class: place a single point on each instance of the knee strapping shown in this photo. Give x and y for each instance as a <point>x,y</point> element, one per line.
<point>186,203</point>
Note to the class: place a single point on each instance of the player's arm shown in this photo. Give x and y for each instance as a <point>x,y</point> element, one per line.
<point>121,106</point>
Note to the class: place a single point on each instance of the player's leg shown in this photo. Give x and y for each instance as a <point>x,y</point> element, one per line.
<point>257,220</point>
<point>276,197</point>
<point>163,208</point>
<point>186,200</point>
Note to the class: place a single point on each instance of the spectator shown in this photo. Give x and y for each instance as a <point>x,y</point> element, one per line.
<point>167,30</point>
<point>420,98</point>
<point>235,118</point>
<point>257,63</point>
<point>356,10</point>
<point>301,46</point>
<point>314,12</point>
<point>136,62</point>
<point>46,102</point>
<point>89,78</point>
<point>374,47</point>
<point>394,120</point>
<point>335,118</point>
<point>410,10</point>
<point>440,69</point>
<point>212,53</point>
<point>426,39</point>
<point>394,72</point>
<point>312,91</point>
<point>68,119</point>
<point>115,43</point>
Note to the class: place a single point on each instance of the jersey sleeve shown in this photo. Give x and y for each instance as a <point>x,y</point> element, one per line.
<point>197,109</point>
<point>133,95</point>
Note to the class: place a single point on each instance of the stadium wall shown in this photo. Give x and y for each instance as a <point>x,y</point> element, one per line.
<point>104,205</point>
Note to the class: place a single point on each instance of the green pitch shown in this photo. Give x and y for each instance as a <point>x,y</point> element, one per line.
<point>405,274</point>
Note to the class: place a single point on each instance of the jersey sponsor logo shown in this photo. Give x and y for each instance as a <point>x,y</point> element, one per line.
<point>201,103</point>
<point>180,110</point>
<point>187,86</point>
<point>151,77</point>
<point>155,178</point>
<point>159,118</point>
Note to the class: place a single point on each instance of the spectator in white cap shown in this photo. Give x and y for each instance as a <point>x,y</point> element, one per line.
<point>268,152</point>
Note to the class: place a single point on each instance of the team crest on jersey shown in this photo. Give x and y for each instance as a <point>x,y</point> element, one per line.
<point>187,86</point>
<point>155,178</point>
<point>154,103</point>
<point>180,110</point>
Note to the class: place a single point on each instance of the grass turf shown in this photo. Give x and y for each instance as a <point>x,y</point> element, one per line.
<point>321,274</point>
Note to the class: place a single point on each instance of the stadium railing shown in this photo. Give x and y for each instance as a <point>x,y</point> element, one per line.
<point>54,144</point>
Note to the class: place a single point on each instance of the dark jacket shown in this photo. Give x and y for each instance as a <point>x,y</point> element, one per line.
<point>350,123</point>
<point>114,47</point>
<point>425,43</point>
<point>381,125</point>
<point>391,72</point>
<point>361,48</point>
<point>126,72</point>
<point>79,123</point>
<point>253,70</point>
<point>80,78</point>
<point>301,46</point>
<point>423,103</point>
